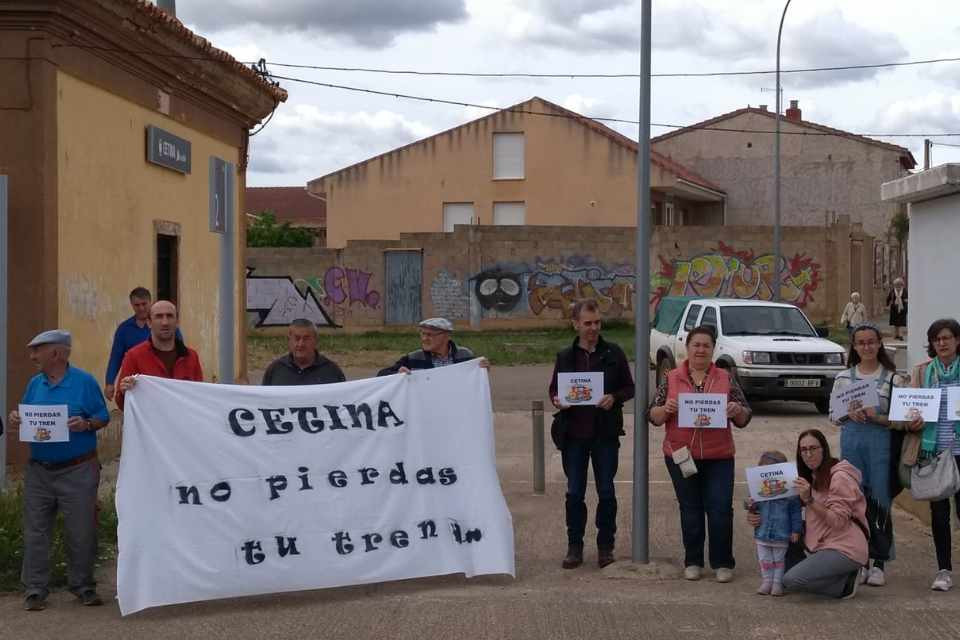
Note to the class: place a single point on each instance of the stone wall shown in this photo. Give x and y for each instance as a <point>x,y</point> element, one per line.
<point>484,276</point>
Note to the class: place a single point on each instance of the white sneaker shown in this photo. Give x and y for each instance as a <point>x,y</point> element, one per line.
<point>724,575</point>
<point>692,572</point>
<point>863,575</point>
<point>943,581</point>
<point>875,577</point>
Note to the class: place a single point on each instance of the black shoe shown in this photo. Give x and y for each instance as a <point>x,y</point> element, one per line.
<point>574,556</point>
<point>605,557</point>
<point>89,598</point>
<point>850,589</point>
<point>34,602</point>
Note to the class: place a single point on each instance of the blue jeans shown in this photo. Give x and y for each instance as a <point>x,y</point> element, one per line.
<point>867,447</point>
<point>576,455</point>
<point>709,492</point>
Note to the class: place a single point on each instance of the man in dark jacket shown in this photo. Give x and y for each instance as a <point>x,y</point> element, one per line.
<point>437,349</point>
<point>588,432</point>
<point>303,364</point>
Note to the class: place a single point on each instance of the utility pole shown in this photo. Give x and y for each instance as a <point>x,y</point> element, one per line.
<point>927,152</point>
<point>641,307</point>
<point>776,170</point>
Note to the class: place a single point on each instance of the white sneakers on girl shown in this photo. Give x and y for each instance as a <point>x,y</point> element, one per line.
<point>943,581</point>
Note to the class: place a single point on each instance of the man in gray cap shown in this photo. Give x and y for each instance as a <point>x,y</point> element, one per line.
<point>437,350</point>
<point>62,475</point>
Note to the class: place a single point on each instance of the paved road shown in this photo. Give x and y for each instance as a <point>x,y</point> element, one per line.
<point>544,601</point>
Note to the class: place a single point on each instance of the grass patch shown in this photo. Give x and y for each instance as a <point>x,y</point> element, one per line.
<point>11,541</point>
<point>378,348</point>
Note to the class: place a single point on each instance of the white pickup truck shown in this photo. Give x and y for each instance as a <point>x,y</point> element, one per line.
<point>772,348</point>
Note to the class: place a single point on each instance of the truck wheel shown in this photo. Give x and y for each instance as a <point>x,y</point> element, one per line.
<point>663,367</point>
<point>823,405</point>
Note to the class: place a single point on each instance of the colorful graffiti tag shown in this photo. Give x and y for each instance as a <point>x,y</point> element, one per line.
<point>553,285</point>
<point>728,273</point>
<point>326,300</point>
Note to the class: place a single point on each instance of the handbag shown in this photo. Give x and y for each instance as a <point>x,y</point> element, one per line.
<point>558,430</point>
<point>936,478</point>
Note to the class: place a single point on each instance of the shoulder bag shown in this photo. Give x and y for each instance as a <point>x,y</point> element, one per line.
<point>935,478</point>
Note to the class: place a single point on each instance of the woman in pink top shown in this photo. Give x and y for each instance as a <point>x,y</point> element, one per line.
<point>836,524</point>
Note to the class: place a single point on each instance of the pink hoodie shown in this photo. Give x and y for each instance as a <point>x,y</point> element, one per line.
<point>836,529</point>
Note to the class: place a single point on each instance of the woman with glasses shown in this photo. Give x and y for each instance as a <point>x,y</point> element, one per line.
<point>931,438</point>
<point>700,460</point>
<point>865,440</point>
<point>835,517</point>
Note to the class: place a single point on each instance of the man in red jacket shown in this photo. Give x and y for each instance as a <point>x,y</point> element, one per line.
<point>163,355</point>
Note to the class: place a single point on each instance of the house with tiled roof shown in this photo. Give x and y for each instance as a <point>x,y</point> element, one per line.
<point>827,174</point>
<point>123,164</point>
<point>293,205</point>
<point>535,163</point>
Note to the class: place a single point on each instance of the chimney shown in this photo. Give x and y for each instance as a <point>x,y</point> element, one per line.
<point>170,6</point>
<point>763,107</point>
<point>794,113</point>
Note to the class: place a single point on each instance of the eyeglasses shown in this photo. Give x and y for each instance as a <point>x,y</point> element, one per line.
<point>871,343</point>
<point>806,451</point>
<point>430,334</point>
<point>944,339</point>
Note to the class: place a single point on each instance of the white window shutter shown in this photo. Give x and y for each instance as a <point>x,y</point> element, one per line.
<point>508,151</point>
<point>509,213</point>
<point>455,213</point>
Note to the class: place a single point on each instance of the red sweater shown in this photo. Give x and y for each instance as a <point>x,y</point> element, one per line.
<point>143,359</point>
<point>705,444</point>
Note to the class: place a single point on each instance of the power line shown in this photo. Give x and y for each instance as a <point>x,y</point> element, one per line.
<point>945,144</point>
<point>470,74</point>
<point>458,103</point>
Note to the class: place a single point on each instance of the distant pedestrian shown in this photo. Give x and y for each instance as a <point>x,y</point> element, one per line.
<point>590,434</point>
<point>129,334</point>
<point>854,314</point>
<point>61,476</point>
<point>897,301</point>
<point>781,523</point>
<point>303,364</point>
<point>437,349</point>
<point>164,355</point>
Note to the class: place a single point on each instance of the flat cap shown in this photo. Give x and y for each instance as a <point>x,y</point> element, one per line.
<point>53,336</point>
<point>440,324</point>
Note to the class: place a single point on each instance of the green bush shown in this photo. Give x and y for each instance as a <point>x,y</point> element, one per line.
<point>11,541</point>
<point>266,232</point>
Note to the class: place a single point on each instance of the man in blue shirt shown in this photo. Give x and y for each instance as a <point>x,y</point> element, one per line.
<point>62,475</point>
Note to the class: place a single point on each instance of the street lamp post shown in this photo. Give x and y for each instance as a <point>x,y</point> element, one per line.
<point>776,169</point>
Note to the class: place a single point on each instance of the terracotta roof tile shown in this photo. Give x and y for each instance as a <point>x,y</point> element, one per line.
<point>288,203</point>
<point>907,158</point>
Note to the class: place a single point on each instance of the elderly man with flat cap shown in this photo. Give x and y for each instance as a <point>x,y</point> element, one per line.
<point>436,350</point>
<point>61,475</point>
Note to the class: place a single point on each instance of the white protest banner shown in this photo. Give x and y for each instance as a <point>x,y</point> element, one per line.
<point>909,404</point>
<point>702,411</point>
<point>580,388</point>
<point>953,403</point>
<point>856,395</point>
<point>44,423</point>
<point>772,481</point>
<point>238,490</point>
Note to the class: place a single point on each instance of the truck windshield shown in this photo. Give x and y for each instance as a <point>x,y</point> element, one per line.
<point>764,321</point>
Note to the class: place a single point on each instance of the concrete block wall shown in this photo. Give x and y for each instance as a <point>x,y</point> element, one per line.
<point>485,276</point>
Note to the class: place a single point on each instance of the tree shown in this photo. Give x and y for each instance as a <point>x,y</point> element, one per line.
<point>900,227</point>
<point>266,232</point>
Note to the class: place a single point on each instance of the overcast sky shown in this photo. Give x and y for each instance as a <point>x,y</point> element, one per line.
<point>319,130</point>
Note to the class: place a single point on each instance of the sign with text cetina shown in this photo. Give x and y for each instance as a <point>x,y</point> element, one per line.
<point>229,490</point>
<point>168,150</point>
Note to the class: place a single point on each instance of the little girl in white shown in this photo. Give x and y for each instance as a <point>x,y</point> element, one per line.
<point>781,522</point>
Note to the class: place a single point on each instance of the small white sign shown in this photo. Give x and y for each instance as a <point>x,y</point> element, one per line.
<point>772,481</point>
<point>857,395</point>
<point>953,403</point>
<point>702,411</point>
<point>582,387</point>
<point>909,404</point>
<point>43,423</point>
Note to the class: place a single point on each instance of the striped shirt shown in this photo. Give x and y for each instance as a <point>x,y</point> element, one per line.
<point>946,438</point>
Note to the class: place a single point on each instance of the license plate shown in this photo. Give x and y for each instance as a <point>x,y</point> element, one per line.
<point>802,382</point>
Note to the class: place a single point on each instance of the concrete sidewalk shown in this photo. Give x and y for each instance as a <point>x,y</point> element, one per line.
<point>545,601</point>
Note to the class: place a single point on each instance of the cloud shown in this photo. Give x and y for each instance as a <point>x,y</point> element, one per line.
<point>932,113</point>
<point>829,39</point>
<point>305,142</point>
<point>368,23</point>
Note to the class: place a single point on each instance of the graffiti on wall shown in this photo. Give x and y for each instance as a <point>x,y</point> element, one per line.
<point>553,285</point>
<point>327,299</point>
<point>448,296</point>
<point>278,302</point>
<point>728,273</point>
